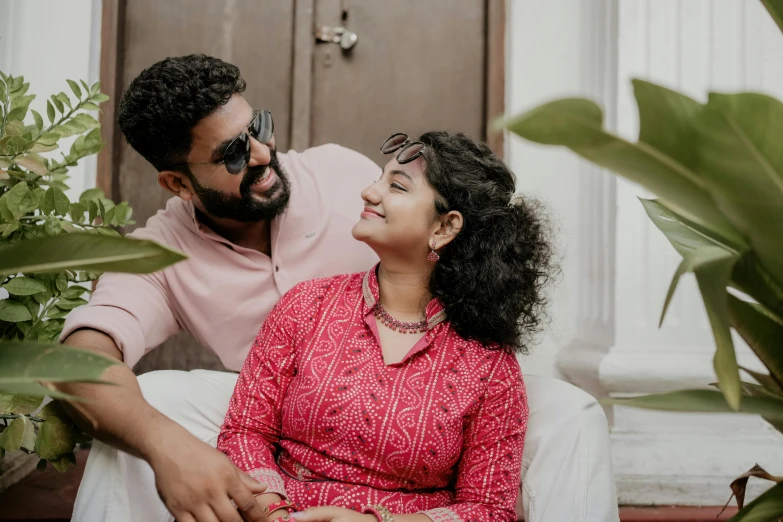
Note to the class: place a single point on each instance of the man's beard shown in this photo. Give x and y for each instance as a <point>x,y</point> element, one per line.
<point>247,207</point>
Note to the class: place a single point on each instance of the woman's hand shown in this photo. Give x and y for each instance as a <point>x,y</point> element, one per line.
<point>332,514</point>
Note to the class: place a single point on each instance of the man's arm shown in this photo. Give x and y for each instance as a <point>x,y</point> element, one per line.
<point>195,481</point>
<point>117,415</point>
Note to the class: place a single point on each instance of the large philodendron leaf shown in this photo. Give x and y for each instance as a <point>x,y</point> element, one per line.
<point>763,334</point>
<point>80,251</point>
<point>741,160</point>
<point>768,507</point>
<point>775,10</point>
<point>712,264</point>
<point>24,365</point>
<point>684,235</point>
<point>577,124</point>
<point>703,401</point>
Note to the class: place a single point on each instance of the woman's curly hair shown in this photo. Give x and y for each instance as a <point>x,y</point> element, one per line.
<point>491,277</point>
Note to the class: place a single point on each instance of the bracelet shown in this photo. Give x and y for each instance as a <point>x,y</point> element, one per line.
<point>283,504</point>
<point>380,512</point>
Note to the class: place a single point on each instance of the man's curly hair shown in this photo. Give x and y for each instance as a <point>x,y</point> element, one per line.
<point>162,104</point>
<point>491,278</point>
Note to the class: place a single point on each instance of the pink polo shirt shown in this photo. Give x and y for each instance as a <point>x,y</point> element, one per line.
<point>223,292</point>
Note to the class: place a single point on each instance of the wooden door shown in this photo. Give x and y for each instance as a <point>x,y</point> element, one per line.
<point>418,65</point>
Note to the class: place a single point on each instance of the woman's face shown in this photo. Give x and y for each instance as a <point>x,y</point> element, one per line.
<point>399,212</point>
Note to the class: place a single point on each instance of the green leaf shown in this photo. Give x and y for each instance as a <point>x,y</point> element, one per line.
<point>33,164</point>
<point>775,10</point>
<point>24,286</point>
<point>577,124</point>
<point>67,226</point>
<point>87,106</point>
<point>77,213</point>
<point>93,209</point>
<point>15,197</point>
<point>50,332</point>
<point>57,313</point>
<point>30,362</point>
<point>50,112</point>
<point>741,162</point>
<point>18,404</point>
<point>61,281</point>
<point>58,103</point>
<point>74,291</point>
<point>13,311</point>
<point>95,88</point>
<point>76,125</point>
<point>64,98</point>
<point>75,88</point>
<point>52,409</point>
<point>63,462</point>
<point>9,228</point>
<point>713,277</point>
<point>13,436</point>
<point>763,334</point>
<point>766,508</point>
<point>52,226</point>
<point>122,213</point>
<point>704,401</point>
<point>91,194</point>
<point>99,98</point>
<point>684,235</point>
<point>34,388</point>
<point>5,213</point>
<point>70,304</point>
<point>61,202</point>
<point>28,438</point>
<point>54,439</point>
<point>79,251</point>
<point>39,123</point>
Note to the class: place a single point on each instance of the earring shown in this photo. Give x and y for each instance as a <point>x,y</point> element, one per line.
<point>433,256</point>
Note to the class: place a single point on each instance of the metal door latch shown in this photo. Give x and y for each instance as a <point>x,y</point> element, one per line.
<point>339,35</point>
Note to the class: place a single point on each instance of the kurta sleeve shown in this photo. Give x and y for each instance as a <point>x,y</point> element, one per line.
<point>251,429</point>
<point>488,473</point>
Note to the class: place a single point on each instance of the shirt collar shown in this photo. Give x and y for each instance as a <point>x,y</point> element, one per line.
<point>435,311</point>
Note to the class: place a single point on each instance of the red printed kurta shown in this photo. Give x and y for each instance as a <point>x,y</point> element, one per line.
<point>321,419</point>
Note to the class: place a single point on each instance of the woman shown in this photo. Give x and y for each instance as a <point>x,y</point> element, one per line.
<point>396,394</point>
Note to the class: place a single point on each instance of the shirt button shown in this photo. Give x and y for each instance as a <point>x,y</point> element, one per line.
<point>277,268</point>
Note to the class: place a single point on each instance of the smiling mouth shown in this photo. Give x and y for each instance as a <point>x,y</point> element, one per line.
<point>371,211</point>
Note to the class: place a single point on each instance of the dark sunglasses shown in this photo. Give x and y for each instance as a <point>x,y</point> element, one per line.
<point>237,153</point>
<point>409,150</point>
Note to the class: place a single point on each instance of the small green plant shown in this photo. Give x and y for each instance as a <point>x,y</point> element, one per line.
<point>49,248</point>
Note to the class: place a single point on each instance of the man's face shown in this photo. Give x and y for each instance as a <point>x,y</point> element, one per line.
<point>259,192</point>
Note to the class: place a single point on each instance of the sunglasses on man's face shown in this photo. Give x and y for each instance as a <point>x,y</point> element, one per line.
<point>236,155</point>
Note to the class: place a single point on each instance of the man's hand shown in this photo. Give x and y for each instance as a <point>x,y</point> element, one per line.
<point>197,482</point>
<point>332,514</point>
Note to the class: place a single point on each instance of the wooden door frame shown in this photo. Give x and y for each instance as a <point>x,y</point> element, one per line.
<point>113,39</point>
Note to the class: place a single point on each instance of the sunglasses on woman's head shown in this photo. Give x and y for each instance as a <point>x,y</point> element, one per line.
<point>408,150</point>
<point>236,154</point>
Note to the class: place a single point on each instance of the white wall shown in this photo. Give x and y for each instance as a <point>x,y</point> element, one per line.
<point>47,42</point>
<point>559,48</point>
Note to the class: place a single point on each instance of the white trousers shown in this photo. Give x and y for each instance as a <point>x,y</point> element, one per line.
<point>567,471</point>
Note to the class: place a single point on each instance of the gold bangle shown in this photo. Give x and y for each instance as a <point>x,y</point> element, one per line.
<point>381,512</point>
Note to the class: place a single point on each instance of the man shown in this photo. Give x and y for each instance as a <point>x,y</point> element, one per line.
<point>254,223</point>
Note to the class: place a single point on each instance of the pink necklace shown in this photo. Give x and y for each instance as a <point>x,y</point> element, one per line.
<point>398,326</point>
